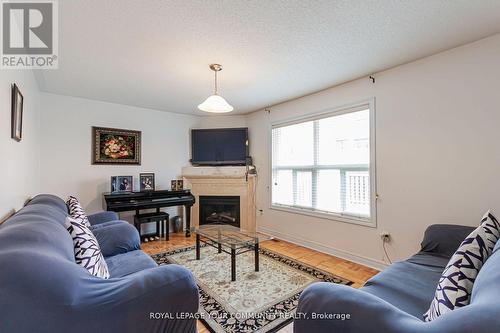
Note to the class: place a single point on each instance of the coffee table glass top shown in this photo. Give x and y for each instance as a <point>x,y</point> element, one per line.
<point>228,235</point>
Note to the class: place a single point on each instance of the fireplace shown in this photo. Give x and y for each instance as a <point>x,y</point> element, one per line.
<point>215,209</point>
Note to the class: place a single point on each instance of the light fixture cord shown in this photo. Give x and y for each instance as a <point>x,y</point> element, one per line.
<point>215,83</point>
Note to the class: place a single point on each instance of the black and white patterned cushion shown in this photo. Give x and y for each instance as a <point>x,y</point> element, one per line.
<point>87,251</point>
<point>76,211</point>
<point>455,285</point>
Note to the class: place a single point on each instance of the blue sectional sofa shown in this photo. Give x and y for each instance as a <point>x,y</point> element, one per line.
<point>395,299</point>
<point>42,289</point>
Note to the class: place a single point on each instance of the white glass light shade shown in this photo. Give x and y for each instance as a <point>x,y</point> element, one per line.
<point>215,104</point>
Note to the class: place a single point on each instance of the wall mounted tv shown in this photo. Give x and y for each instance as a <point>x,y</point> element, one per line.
<point>219,146</point>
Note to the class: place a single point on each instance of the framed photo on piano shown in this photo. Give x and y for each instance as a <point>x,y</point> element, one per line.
<point>122,184</point>
<point>147,181</point>
<point>176,185</point>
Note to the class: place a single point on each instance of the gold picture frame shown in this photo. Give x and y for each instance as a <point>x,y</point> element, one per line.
<point>116,146</point>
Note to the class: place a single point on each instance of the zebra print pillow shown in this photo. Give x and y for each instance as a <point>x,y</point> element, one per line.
<point>455,285</point>
<point>76,211</point>
<point>87,251</point>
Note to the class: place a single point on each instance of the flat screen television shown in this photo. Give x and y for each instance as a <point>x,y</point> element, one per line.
<point>219,146</point>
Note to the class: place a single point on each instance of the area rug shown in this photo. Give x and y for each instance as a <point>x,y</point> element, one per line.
<point>263,301</point>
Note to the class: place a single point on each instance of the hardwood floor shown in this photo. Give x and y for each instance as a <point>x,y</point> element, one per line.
<point>359,274</point>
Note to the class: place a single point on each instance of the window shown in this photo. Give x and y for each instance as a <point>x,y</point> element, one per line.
<point>321,165</point>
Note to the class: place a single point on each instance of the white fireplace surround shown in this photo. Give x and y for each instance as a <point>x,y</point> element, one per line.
<point>223,181</point>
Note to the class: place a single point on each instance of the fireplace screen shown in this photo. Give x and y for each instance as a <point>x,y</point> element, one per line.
<point>220,210</point>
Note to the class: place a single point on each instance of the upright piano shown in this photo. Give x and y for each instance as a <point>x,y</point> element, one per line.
<point>136,201</point>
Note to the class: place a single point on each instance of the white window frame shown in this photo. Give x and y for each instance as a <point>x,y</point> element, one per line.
<point>362,105</point>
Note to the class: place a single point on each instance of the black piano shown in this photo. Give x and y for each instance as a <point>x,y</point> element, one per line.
<point>130,201</point>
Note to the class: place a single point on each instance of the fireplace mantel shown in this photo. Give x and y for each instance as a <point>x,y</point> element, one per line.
<point>214,172</point>
<point>224,181</point>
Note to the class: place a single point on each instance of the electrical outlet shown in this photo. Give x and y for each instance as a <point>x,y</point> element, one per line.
<point>385,236</point>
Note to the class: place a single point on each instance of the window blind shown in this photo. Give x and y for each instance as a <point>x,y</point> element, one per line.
<point>323,164</point>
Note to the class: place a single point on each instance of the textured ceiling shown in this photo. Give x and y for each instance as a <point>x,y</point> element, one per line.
<point>155,53</point>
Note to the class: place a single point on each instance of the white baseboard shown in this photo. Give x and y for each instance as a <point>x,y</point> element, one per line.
<point>372,263</point>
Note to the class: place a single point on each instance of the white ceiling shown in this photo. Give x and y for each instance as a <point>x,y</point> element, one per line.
<point>155,53</point>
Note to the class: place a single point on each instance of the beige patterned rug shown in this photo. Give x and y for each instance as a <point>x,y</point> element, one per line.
<point>261,301</point>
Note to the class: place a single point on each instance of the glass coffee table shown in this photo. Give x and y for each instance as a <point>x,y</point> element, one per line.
<point>230,240</point>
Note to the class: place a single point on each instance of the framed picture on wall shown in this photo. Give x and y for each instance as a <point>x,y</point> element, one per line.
<point>122,184</point>
<point>115,146</point>
<point>147,181</point>
<point>17,113</point>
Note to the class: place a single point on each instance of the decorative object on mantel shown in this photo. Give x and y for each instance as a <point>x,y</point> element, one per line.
<point>215,103</point>
<point>17,101</point>
<point>122,184</point>
<point>250,168</point>
<point>115,146</point>
<point>271,294</point>
<point>147,181</point>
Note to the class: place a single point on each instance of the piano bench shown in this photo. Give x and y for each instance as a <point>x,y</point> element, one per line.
<point>160,218</point>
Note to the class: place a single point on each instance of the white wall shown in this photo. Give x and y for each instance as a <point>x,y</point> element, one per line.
<point>438,152</point>
<point>437,149</point>
<point>66,140</point>
<point>65,162</point>
<point>19,160</point>
<point>215,121</point>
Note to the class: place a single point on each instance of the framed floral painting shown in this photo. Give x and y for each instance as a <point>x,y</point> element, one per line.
<point>115,146</point>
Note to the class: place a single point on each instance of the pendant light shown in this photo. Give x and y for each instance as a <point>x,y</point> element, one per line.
<point>215,103</point>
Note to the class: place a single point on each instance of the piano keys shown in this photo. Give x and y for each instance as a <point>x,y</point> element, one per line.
<point>136,201</point>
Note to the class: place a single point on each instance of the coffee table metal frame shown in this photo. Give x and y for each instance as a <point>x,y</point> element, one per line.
<point>230,245</point>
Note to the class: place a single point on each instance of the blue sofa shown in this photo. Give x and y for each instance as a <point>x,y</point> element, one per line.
<point>395,299</point>
<point>42,289</point>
